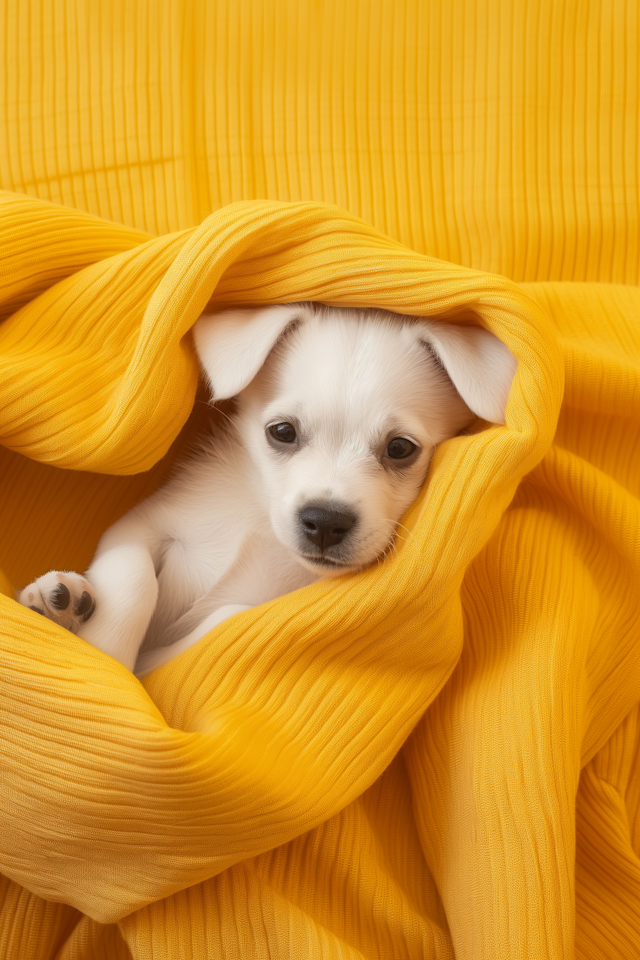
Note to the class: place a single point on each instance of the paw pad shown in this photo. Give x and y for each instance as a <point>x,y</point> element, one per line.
<point>85,606</point>
<point>60,597</point>
<point>66,598</point>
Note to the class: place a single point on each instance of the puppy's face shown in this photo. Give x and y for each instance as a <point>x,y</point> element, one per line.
<point>341,422</point>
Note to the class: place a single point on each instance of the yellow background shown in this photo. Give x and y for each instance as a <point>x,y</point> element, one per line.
<point>500,136</point>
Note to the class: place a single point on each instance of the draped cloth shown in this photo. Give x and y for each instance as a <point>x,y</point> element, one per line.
<point>437,757</point>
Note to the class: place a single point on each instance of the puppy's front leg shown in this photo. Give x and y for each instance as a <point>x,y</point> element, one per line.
<point>125,588</point>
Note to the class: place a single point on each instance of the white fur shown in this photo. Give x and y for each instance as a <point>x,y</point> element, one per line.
<point>225,533</point>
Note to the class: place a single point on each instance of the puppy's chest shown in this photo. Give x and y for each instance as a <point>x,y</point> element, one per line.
<point>201,520</point>
<point>251,567</point>
<point>193,562</point>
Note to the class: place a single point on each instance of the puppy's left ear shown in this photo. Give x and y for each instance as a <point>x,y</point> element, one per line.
<point>234,344</point>
<point>479,365</point>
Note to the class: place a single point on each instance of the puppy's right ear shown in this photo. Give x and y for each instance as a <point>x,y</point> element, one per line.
<point>234,344</point>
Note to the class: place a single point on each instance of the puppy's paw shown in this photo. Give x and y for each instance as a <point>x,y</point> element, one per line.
<point>65,598</point>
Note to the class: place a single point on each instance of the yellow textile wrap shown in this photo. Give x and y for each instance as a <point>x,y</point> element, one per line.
<point>279,791</point>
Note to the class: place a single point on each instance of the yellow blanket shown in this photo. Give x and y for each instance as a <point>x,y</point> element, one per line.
<point>279,790</point>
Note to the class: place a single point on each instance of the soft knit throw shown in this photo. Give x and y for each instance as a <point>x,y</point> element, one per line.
<point>438,757</point>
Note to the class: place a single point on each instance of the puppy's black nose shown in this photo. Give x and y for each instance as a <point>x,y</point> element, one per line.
<point>325,527</point>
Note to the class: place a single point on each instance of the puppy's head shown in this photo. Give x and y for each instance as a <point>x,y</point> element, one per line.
<point>341,410</point>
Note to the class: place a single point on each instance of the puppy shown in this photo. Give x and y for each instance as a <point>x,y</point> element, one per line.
<point>338,414</point>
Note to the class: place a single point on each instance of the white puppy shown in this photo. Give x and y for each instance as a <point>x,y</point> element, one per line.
<point>338,415</point>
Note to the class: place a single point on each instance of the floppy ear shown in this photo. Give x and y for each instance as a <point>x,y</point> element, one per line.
<point>234,344</point>
<point>479,365</point>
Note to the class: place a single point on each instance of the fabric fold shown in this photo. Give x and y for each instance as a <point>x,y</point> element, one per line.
<point>438,758</point>
<point>263,730</point>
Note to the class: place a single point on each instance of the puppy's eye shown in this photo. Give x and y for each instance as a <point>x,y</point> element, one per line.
<point>284,432</point>
<point>399,448</point>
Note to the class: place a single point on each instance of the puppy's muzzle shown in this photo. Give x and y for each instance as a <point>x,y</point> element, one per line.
<point>325,525</point>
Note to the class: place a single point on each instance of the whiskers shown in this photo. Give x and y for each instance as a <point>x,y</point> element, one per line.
<point>213,406</point>
<point>399,535</point>
<point>395,527</point>
<point>391,549</point>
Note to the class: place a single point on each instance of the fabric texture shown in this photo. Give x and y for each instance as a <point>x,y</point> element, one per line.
<point>435,758</point>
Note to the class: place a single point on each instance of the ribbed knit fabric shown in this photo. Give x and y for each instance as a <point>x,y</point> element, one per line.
<point>502,135</point>
<point>436,758</point>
